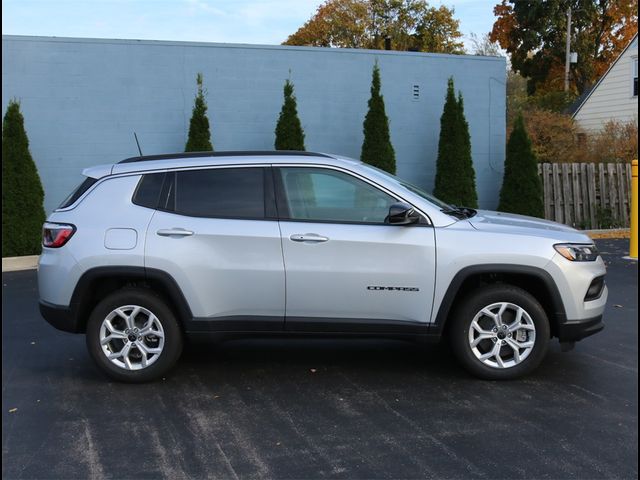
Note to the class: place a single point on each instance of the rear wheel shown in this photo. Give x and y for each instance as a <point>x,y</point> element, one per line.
<point>133,336</point>
<point>499,332</point>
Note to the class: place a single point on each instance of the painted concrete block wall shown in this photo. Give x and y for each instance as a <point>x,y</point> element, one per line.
<point>83,99</point>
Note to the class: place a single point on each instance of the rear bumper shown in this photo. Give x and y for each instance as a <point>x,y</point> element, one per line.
<point>574,330</point>
<point>60,317</point>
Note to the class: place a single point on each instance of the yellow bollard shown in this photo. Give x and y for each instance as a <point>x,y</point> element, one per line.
<point>633,240</point>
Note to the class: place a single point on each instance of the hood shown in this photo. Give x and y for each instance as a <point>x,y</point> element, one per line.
<point>499,221</point>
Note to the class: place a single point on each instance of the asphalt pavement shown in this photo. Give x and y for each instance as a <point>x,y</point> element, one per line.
<point>298,409</point>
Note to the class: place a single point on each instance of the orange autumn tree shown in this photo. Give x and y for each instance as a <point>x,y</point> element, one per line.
<point>534,34</point>
<point>341,23</point>
<point>409,24</point>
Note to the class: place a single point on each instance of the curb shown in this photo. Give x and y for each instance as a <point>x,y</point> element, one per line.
<point>14,264</point>
<point>610,233</point>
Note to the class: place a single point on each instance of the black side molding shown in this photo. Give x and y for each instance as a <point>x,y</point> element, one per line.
<point>235,327</point>
<point>355,325</point>
<point>234,323</point>
<point>305,325</point>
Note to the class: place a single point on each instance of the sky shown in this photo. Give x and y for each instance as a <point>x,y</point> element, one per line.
<point>226,21</point>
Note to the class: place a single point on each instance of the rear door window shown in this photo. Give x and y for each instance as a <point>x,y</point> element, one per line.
<point>218,193</point>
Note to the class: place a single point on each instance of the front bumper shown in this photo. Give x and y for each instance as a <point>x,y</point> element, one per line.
<point>574,330</point>
<point>573,280</point>
<point>60,317</point>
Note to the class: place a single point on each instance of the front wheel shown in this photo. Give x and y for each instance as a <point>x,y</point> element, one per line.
<point>499,332</point>
<point>133,336</point>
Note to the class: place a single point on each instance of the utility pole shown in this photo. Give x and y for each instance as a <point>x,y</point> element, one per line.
<point>567,63</point>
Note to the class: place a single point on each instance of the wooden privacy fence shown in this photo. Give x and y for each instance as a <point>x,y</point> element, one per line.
<point>587,195</point>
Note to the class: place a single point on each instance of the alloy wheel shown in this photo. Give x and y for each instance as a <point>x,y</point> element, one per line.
<point>132,337</point>
<point>502,335</point>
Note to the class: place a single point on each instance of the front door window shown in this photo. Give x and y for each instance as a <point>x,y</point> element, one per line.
<point>324,195</point>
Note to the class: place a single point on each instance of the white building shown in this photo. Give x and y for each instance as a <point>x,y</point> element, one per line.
<point>615,96</point>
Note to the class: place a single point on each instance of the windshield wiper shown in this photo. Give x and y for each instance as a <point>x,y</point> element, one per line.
<point>460,212</point>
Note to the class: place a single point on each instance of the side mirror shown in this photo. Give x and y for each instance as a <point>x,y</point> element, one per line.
<point>402,214</point>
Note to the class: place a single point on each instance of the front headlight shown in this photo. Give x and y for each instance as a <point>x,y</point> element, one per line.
<point>577,252</point>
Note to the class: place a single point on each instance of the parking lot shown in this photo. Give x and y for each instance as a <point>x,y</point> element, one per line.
<point>320,408</point>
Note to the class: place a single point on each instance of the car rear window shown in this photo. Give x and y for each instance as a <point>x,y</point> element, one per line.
<point>78,192</point>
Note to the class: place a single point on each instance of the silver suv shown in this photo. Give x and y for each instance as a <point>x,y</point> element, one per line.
<point>155,249</point>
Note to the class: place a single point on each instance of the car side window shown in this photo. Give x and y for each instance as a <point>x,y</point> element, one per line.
<point>325,195</point>
<point>218,193</point>
<point>148,192</point>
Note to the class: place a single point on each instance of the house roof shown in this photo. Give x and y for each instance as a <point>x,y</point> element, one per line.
<point>583,98</point>
<point>577,103</point>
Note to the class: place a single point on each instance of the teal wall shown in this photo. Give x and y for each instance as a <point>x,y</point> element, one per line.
<point>83,99</point>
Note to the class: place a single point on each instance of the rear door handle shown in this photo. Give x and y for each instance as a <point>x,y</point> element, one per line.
<point>174,232</point>
<point>308,237</point>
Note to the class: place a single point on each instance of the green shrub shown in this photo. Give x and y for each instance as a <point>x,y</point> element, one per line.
<point>521,187</point>
<point>554,101</point>
<point>455,177</point>
<point>199,139</point>
<point>289,133</point>
<point>376,147</point>
<point>605,218</point>
<point>22,193</point>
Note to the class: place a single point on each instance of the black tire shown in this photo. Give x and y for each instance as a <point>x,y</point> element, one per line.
<point>473,303</point>
<point>172,335</point>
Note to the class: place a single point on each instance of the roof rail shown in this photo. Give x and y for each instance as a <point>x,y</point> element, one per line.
<point>258,153</point>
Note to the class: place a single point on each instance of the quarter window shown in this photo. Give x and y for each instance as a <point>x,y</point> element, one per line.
<point>219,193</point>
<point>78,192</point>
<point>324,195</point>
<point>148,191</point>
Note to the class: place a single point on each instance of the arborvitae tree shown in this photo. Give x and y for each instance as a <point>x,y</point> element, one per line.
<point>199,135</point>
<point>455,177</point>
<point>466,158</point>
<point>521,187</point>
<point>289,133</point>
<point>376,147</point>
<point>22,193</point>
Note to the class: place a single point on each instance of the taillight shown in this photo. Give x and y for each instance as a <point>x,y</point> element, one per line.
<point>55,235</point>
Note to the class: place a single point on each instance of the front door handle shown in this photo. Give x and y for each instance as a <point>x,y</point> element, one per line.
<point>174,232</point>
<point>308,237</point>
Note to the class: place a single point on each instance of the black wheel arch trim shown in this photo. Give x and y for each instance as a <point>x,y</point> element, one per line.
<point>82,291</point>
<point>557,305</point>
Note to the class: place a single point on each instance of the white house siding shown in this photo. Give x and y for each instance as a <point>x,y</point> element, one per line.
<point>612,98</point>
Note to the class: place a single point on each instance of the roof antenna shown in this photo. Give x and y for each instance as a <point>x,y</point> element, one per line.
<point>137,143</point>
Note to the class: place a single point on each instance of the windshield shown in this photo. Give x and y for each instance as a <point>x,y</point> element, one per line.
<point>413,189</point>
